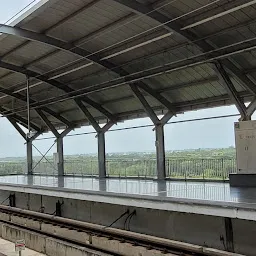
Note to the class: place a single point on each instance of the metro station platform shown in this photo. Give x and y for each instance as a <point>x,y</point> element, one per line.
<point>209,198</point>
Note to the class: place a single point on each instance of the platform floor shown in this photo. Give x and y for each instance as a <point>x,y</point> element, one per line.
<point>211,191</point>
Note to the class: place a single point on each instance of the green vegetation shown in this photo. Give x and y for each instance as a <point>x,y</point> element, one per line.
<point>14,167</point>
<point>186,164</point>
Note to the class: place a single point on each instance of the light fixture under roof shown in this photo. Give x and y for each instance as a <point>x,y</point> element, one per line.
<point>237,8</point>
<point>137,46</point>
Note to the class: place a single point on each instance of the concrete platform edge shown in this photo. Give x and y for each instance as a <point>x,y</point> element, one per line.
<point>203,207</point>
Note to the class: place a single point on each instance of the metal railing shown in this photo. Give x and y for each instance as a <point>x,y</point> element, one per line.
<point>214,168</point>
<point>180,168</point>
<point>132,168</point>
<point>81,167</point>
<point>45,168</point>
<point>10,168</point>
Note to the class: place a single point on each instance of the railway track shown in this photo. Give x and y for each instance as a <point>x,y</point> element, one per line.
<point>10,215</point>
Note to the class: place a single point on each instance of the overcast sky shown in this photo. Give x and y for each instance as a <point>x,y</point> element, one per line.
<point>216,133</point>
<point>201,134</point>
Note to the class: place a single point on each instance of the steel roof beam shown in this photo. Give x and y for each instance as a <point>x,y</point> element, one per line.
<point>24,99</point>
<point>57,116</point>
<point>98,107</point>
<point>157,96</point>
<point>145,104</point>
<point>24,123</point>
<point>251,108</point>
<point>71,47</point>
<point>138,76</point>
<point>181,106</point>
<point>47,122</point>
<point>20,119</point>
<point>173,88</point>
<point>241,77</point>
<point>56,25</point>
<point>88,115</point>
<point>231,90</point>
<point>104,29</point>
<point>21,132</point>
<point>58,85</point>
<point>177,28</point>
<point>165,119</point>
<point>17,127</point>
<point>221,100</point>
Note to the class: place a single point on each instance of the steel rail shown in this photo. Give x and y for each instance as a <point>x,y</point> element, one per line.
<point>67,240</point>
<point>152,242</point>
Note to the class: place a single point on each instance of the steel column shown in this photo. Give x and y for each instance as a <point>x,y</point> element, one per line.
<point>29,157</point>
<point>29,142</point>
<point>59,141</point>
<point>60,153</point>
<point>100,136</point>
<point>101,155</point>
<point>159,131</point>
<point>160,151</point>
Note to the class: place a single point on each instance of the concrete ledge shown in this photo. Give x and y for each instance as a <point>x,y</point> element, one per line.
<point>242,180</point>
<point>202,207</point>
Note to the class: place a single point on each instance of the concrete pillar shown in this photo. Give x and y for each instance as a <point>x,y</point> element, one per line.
<point>60,156</point>
<point>29,157</point>
<point>101,155</point>
<point>160,151</point>
<point>61,183</point>
<point>30,180</point>
<point>102,185</point>
<point>162,188</point>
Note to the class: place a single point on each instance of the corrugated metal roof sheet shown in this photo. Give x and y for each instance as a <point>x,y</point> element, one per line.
<point>122,39</point>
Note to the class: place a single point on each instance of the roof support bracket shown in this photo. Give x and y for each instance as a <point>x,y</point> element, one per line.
<point>88,115</point>
<point>107,126</point>
<point>159,131</point>
<point>17,127</point>
<point>51,126</point>
<point>165,119</point>
<point>231,90</point>
<point>150,112</point>
<point>100,137</point>
<point>59,141</point>
<point>157,96</point>
<point>48,123</point>
<point>24,99</point>
<point>19,119</point>
<point>251,108</point>
<point>29,145</point>
<point>97,106</point>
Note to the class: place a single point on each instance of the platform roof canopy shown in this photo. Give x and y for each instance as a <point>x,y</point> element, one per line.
<point>90,58</point>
